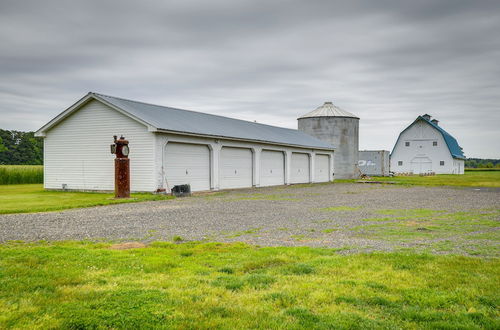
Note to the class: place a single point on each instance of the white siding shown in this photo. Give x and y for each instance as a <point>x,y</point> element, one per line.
<point>421,156</point>
<point>77,151</point>
<point>300,168</point>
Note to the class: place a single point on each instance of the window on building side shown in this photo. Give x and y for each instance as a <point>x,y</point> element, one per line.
<point>434,143</point>
<point>407,144</point>
<point>441,163</point>
<point>400,163</point>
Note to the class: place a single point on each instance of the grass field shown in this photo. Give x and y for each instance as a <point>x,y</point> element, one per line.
<point>21,174</point>
<point>192,285</point>
<point>474,232</point>
<point>469,179</point>
<point>33,198</point>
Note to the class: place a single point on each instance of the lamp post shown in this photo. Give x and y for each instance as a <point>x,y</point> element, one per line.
<point>122,167</point>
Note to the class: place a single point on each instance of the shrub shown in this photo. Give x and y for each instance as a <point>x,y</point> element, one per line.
<point>177,238</point>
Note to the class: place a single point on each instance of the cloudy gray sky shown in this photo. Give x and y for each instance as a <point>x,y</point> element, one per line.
<point>270,61</point>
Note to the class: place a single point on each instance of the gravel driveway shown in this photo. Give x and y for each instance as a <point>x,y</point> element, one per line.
<point>285,216</point>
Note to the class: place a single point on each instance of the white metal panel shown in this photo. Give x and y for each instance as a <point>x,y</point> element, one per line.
<point>300,168</point>
<point>321,168</point>
<point>187,164</point>
<point>272,168</point>
<point>235,168</point>
<point>77,154</point>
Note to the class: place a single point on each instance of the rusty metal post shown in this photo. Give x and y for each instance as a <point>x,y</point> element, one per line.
<point>122,167</point>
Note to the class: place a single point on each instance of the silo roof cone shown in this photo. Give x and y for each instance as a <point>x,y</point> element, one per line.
<point>328,109</point>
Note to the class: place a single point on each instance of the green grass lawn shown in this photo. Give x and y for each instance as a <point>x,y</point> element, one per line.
<point>33,198</point>
<point>78,285</point>
<point>474,232</point>
<point>469,179</point>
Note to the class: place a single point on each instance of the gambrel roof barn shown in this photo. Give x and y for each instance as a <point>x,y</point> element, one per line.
<point>424,147</point>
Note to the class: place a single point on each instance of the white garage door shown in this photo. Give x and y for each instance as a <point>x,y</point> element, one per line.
<point>188,164</point>
<point>235,168</point>
<point>321,168</point>
<point>272,168</point>
<point>300,168</point>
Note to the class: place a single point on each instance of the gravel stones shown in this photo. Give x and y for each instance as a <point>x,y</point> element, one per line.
<point>320,215</point>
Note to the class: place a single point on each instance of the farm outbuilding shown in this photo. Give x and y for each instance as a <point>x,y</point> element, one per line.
<point>425,147</point>
<point>374,162</point>
<point>171,146</point>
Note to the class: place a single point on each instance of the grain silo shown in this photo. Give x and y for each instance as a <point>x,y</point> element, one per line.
<point>339,128</point>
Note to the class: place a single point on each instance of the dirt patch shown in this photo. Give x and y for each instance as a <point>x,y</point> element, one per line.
<point>127,246</point>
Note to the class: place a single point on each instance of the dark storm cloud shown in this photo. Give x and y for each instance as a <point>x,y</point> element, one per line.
<point>270,61</point>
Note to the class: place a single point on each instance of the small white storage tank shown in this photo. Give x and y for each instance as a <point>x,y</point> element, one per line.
<point>338,128</point>
<point>374,162</point>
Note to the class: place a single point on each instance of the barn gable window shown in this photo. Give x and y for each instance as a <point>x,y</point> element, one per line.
<point>407,144</point>
<point>434,143</point>
<point>400,163</point>
<point>441,163</point>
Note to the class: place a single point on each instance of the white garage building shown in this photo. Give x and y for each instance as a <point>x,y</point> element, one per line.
<point>171,146</point>
<point>425,147</point>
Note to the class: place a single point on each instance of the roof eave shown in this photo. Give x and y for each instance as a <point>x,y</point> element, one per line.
<point>57,119</point>
<point>151,127</point>
<point>41,132</point>
<point>162,130</point>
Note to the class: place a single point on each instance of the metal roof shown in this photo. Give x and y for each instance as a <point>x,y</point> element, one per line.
<point>198,123</point>
<point>451,142</point>
<point>328,110</point>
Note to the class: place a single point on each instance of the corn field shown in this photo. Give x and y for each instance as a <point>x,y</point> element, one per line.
<point>20,174</point>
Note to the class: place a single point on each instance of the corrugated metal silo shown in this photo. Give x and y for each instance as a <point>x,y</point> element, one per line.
<point>339,128</point>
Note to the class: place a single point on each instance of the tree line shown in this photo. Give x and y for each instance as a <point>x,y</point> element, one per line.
<point>23,148</point>
<point>20,148</point>
<point>482,163</point>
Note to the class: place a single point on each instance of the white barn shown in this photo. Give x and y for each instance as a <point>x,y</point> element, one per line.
<point>425,147</point>
<point>171,146</point>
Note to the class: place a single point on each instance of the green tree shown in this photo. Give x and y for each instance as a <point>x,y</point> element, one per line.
<point>3,148</point>
<point>20,148</point>
<point>470,163</point>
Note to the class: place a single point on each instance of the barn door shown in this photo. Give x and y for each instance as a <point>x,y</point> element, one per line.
<point>421,165</point>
